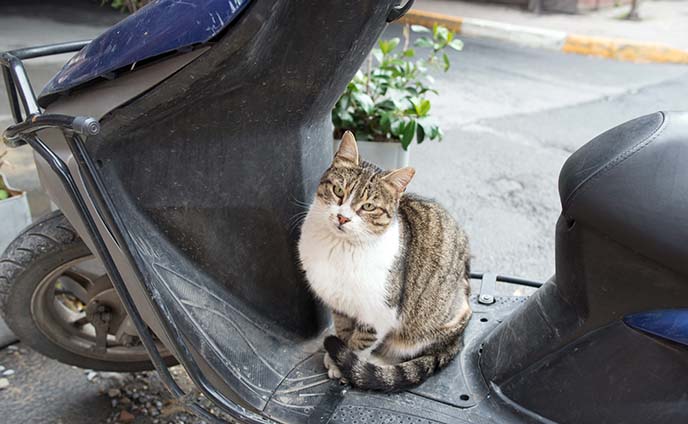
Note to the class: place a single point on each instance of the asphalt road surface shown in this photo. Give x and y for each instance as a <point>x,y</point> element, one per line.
<point>511,117</point>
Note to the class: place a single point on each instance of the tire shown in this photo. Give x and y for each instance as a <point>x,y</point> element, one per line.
<point>46,245</point>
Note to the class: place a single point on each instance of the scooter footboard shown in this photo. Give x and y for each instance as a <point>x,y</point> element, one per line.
<point>457,394</point>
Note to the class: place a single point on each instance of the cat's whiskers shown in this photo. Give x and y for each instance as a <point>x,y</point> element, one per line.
<point>296,220</point>
<point>300,203</point>
<point>314,210</point>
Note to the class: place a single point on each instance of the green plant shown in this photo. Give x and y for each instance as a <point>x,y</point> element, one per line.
<point>130,6</point>
<point>388,101</point>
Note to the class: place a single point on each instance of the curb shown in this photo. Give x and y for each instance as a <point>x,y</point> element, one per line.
<point>610,48</point>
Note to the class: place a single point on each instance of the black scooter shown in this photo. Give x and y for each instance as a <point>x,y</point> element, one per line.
<point>174,145</point>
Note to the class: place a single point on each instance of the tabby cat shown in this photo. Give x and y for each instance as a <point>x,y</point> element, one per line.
<point>393,267</point>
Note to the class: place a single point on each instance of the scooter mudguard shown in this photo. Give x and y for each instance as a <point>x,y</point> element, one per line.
<point>205,157</point>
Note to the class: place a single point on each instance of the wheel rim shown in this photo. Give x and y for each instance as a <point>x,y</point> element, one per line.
<point>59,304</point>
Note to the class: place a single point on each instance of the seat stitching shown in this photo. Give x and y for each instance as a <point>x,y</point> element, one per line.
<point>618,160</point>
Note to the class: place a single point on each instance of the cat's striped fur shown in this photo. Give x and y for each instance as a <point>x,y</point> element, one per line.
<point>396,276</point>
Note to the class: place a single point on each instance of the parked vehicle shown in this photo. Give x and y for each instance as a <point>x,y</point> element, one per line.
<point>174,157</point>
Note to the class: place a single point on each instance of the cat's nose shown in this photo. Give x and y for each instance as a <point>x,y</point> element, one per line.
<point>342,219</point>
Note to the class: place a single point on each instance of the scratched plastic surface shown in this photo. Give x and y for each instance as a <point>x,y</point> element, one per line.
<point>163,26</point>
<point>671,324</point>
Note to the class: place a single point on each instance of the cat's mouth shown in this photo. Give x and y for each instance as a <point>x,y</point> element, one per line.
<point>339,229</point>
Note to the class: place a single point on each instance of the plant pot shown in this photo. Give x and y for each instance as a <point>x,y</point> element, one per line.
<point>15,215</point>
<point>385,154</point>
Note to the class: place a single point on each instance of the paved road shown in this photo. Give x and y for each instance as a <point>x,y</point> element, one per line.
<point>511,116</point>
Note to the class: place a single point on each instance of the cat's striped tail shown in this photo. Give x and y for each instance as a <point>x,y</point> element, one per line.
<point>385,378</point>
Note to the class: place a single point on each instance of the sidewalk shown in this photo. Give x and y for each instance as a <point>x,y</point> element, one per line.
<point>664,26</point>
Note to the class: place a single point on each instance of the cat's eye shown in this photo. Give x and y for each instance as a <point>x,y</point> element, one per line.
<point>368,207</point>
<point>338,190</point>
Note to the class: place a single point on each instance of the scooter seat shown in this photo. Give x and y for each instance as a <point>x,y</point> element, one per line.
<point>631,184</point>
<point>608,324</point>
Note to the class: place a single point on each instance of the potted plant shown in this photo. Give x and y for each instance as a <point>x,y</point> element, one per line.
<point>386,105</point>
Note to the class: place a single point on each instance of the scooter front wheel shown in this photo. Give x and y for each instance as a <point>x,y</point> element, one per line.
<point>57,298</point>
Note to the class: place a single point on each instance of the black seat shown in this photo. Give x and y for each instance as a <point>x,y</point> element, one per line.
<point>620,251</point>
<point>631,184</point>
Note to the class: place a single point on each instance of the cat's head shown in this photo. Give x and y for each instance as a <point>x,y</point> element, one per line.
<point>357,200</point>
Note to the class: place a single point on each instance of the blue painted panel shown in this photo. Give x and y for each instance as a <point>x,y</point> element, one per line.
<point>162,26</point>
<point>671,324</point>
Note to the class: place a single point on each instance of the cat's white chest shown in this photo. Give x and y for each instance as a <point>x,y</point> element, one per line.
<point>351,279</point>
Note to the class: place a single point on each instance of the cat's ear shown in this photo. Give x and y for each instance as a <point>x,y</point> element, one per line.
<point>400,178</point>
<point>348,150</point>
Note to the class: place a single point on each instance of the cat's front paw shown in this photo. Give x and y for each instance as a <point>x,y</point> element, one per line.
<point>334,374</point>
<point>333,371</point>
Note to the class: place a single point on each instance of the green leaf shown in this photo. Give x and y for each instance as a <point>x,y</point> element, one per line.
<point>420,133</point>
<point>434,131</point>
<point>397,126</point>
<point>386,46</point>
<point>343,102</point>
<point>424,107</point>
<point>423,42</point>
<point>409,53</point>
<point>445,59</point>
<point>345,118</point>
<point>456,45</point>
<point>419,28</point>
<point>364,102</point>
<point>415,103</point>
<point>407,134</point>
<point>442,33</point>
<point>386,104</point>
<point>377,54</point>
<point>385,122</point>
<point>412,90</point>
